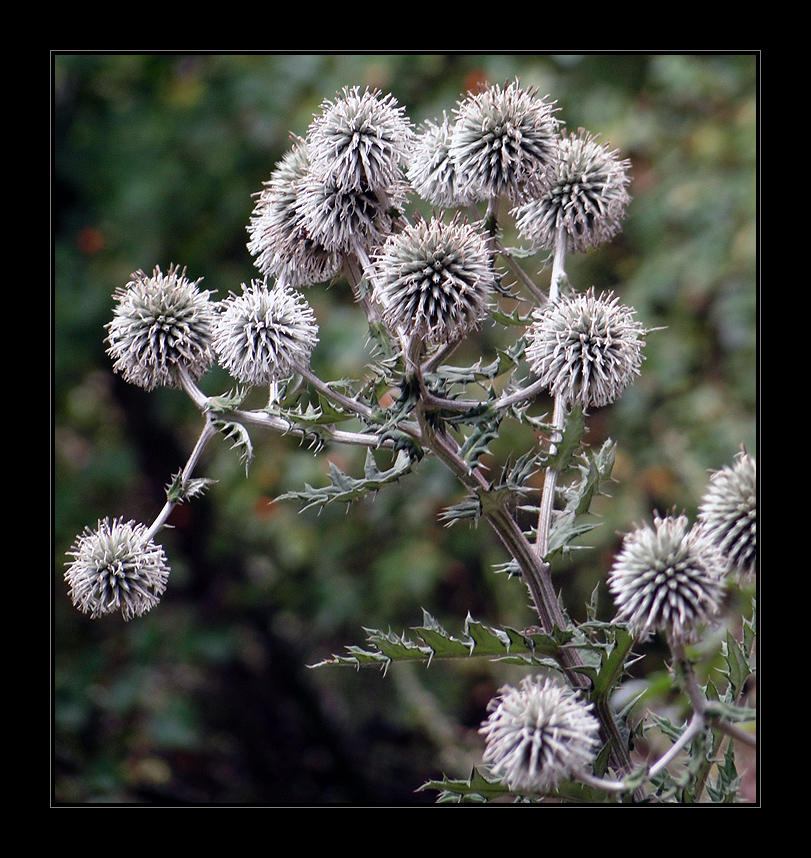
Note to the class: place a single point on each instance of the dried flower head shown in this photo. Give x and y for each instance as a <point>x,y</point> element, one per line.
<point>433,279</point>
<point>667,577</point>
<point>432,172</point>
<point>278,235</point>
<point>360,141</point>
<point>505,141</point>
<point>728,514</point>
<point>161,326</point>
<point>587,199</point>
<point>539,735</point>
<point>116,568</point>
<point>263,334</point>
<point>585,349</point>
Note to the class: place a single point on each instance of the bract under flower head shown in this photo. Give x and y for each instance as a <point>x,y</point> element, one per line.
<point>667,577</point>
<point>539,735</point>
<point>505,142</point>
<point>587,198</point>
<point>433,280</point>
<point>263,334</point>
<point>160,328</point>
<point>116,568</point>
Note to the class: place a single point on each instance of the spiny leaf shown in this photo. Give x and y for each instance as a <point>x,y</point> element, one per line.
<point>242,440</point>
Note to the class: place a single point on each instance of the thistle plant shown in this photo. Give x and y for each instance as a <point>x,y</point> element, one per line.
<point>337,205</point>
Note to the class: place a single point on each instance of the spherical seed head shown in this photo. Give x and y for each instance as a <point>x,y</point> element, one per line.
<point>265,333</point>
<point>728,514</point>
<point>116,568</point>
<point>505,141</point>
<point>539,735</point>
<point>161,326</point>
<point>669,578</point>
<point>360,141</point>
<point>585,349</point>
<point>434,279</point>
<point>278,235</point>
<point>587,198</point>
<point>432,171</point>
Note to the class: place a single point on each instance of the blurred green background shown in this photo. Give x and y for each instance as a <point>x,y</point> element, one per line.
<point>208,699</point>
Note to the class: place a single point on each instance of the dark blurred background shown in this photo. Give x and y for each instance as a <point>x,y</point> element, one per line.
<point>210,698</point>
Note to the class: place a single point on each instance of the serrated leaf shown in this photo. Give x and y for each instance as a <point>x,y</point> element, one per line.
<point>242,440</point>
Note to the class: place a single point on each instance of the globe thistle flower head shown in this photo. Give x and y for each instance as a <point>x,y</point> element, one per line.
<point>161,326</point>
<point>728,514</point>
<point>278,235</point>
<point>433,280</point>
<point>585,349</point>
<point>432,171</point>
<point>539,735</point>
<point>587,198</point>
<point>116,568</point>
<point>669,578</point>
<point>265,333</point>
<point>360,141</point>
<point>505,142</point>
<point>339,220</point>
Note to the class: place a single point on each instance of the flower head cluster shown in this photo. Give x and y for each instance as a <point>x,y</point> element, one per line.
<point>434,279</point>
<point>539,735</point>
<point>585,349</point>
<point>116,568</point>
<point>505,142</point>
<point>432,171</point>
<point>587,199</point>
<point>359,147</point>
<point>728,514</point>
<point>667,577</point>
<point>278,235</point>
<point>263,334</point>
<point>161,327</point>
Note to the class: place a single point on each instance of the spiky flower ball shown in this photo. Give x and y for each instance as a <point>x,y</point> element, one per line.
<point>161,327</point>
<point>116,568</point>
<point>432,171</point>
<point>505,142</point>
<point>434,279</point>
<point>728,514</point>
<point>539,735</point>
<point>667,577</point>
<point>262,335</point>
<point>587,199</point>
<point>342,220</point>
<point>279,238</point>
<point>585,349</point>
<point>360,141</point>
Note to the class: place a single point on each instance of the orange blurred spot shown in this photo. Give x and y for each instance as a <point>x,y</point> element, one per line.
<point>90,241</point>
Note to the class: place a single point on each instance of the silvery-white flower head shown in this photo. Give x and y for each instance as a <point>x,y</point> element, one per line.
<point>116,568</point>
<point>505,142</point>
<point>360,141</point>
<point>728,514</point>
<point>585,349</point>
<point>432,172</point>
<point>667,577</point>
<point>433,279</point>
<point>341,220</point>
<point>161,326</point>
<point>264,334</point>
<point>278,235</point>
<point>587,199</point>
<point>539,735</point>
